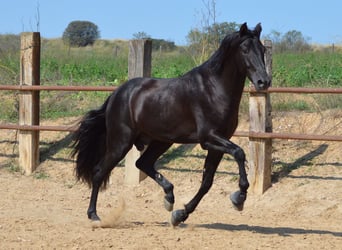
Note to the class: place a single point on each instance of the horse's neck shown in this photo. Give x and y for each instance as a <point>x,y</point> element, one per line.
<point>232,80</point>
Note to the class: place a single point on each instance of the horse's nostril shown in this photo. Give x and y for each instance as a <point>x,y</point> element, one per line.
<point>261,84</point>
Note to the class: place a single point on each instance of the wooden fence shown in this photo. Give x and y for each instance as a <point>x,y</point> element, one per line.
<point>260,132</point>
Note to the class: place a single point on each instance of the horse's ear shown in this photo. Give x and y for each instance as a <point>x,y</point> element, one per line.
<point>258,30</point>
<point>243,29</point>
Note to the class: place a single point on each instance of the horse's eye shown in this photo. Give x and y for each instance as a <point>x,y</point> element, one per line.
<point>244,49</point>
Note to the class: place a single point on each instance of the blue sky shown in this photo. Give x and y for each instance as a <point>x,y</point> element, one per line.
<point>172,20</point>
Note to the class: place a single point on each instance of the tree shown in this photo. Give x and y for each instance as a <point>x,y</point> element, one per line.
<point>141,35</point>
<point>274,36</point>
<point>202,42</point>
<point>206,38</point>
<point>81,34</point>
<point>213,33</point>
<point>217,31</point>
<point>292,41</point>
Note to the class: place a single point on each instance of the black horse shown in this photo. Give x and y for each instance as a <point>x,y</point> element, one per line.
<point>198,107</point>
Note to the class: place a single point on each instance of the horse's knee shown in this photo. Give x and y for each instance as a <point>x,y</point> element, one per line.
<point>140,144</point>
<point>239,154</point>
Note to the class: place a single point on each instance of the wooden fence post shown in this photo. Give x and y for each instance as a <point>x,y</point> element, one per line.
<point>260,150</point>
<point>139,65</point>
<point>29,101</point>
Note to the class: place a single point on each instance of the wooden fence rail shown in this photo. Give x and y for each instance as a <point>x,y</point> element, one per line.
<point>260,133</point>
<point>291,90</point>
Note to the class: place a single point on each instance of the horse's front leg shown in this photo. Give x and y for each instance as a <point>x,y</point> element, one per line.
<point>238,198</point>
<point>211,163</point>
<point>221,144</point>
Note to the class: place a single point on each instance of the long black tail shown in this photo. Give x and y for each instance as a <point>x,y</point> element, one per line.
<point>90,144</point>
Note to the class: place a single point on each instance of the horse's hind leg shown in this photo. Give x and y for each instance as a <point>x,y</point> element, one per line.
<point>146,164</point>
<point>115,153</point>
<point>211,163</point>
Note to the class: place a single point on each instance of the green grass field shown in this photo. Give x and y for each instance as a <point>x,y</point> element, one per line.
<point>105,64</point>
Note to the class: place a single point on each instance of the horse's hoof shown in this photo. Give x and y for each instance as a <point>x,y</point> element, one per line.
<point>238,199</point>
<point>168,205</point>
<point>178,216</point>
<point>94,217</point>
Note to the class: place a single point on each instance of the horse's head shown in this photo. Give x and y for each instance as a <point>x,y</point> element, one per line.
<point>252,53</point>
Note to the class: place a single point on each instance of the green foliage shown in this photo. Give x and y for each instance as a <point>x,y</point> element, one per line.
<point>41,175</point>
<point>81,34</point>
<point>163,45</point>
<point>308,69</point>
<point>9,43</point>
<point>9,106</point>
<point>204,41</point>
<point>12,166</point>
<point>329,101</point>
<point>291,105</point>
<point>9,58</point>
<point>169,65</point>
<point>104,63</point>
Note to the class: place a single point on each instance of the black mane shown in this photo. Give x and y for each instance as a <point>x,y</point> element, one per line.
<point>227,46</point>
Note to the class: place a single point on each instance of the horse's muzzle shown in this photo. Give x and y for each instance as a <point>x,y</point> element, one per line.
<point>263,84</point>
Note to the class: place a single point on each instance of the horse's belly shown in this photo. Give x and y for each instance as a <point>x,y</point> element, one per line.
<point>170,130</point>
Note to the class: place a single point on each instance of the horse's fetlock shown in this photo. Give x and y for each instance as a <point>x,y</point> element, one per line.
<point>170,198</point>
<point>244,185</point>
<point>168,188</point>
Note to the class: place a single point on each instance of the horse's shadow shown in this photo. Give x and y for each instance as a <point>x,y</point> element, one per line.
<point>284,169</point>
<point>281,231</point>
<point>48,151</point>
<point>13,154</point>
<point>185,150</point>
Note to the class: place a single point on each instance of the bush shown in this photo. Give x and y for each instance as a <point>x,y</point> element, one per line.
<point>80,34</point>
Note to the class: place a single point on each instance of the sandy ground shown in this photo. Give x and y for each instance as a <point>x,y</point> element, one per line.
<point>302,209</point>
